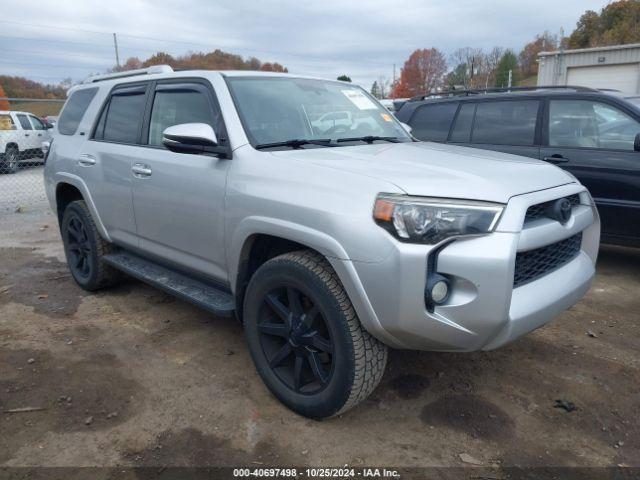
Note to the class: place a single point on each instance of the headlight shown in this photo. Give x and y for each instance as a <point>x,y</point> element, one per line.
<point>431,220</point>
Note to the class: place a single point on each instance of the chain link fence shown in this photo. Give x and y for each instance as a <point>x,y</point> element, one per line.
<point>26,130</point>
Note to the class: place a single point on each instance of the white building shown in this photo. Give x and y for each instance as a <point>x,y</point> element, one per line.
<point>616,67</point>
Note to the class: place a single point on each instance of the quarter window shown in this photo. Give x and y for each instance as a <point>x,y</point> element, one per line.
<point>24,122</point>
<point>74,109</point>
<point>432,122</point>
<point>174,107</point>
<point>6,123</point>
<point>505,122</point>
<point>588,124</point>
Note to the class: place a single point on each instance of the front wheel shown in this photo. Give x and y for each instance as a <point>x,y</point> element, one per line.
<point>305,338</point>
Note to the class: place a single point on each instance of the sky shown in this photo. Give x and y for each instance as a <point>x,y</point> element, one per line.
<point>50,41</point>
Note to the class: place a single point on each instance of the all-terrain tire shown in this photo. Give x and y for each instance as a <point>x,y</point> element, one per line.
<point>358,359</point>
<point>96,273</point>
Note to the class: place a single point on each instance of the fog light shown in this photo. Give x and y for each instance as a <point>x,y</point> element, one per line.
<point>439,291</point>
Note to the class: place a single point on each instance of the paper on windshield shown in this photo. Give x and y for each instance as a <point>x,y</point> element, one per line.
<point>359,99</point>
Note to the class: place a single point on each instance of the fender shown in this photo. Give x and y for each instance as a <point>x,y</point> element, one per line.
<point>326,245</point>
<point>76,181</point>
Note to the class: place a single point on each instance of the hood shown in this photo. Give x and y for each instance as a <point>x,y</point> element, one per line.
<point>438,170</point>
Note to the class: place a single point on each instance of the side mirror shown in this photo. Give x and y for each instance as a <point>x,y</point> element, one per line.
<point>190,138</point>
<point>636,143</point>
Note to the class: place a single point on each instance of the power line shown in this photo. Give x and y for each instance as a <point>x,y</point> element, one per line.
<point>182,42</point>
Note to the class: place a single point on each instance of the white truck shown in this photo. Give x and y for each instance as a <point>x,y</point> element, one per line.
<point>21,137</point>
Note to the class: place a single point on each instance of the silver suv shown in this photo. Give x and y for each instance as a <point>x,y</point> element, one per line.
<point>305,209</point>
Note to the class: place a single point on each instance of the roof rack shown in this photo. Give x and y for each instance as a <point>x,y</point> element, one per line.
<point>129,73</point>
<point>480,91</point>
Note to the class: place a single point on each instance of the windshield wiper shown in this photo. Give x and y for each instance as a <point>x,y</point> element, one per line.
<point>297,143</point>
<point>369,139</point>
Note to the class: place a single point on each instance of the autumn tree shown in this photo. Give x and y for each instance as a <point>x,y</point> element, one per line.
<point>215,60</point>
<point>508,62</point>
<point>344,78</point>
<point>617,23</point>
<point>423,72</point>
<point>132,63</point>
<point>528,57</point>
<point>20,87</point>
<point>4,103</point>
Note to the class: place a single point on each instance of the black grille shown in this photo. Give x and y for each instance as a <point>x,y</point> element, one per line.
<point>534,212</point>
<point>533,264</point>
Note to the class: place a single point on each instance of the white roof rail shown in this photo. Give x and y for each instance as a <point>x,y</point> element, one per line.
<point>129,73</point>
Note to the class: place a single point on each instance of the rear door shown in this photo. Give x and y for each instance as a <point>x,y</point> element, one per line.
<point>27,136</point>
<point>105,161</point>
<point>504,125</point>
<point>593,139</point>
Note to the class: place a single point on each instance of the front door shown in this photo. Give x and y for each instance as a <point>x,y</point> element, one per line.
<point>179,198</point>
<point>40,132</point>
<point>594,141</point>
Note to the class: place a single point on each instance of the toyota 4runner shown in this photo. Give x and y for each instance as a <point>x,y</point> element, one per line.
<point>305,209</point>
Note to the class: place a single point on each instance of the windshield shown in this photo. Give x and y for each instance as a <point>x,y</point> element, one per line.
<point>274,110</point>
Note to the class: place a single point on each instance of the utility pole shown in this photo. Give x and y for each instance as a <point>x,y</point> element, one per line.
<point>510,77</point>
<point>393,84</point>
<point>115,44</point>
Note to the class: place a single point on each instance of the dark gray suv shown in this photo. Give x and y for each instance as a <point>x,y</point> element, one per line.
<point>590,133</point>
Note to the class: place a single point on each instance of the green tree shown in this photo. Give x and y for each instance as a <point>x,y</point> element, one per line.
<point>509,61</point>
<point>375,90</point>
<point>344,78</point>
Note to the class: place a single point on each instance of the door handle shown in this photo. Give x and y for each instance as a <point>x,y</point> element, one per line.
<point>86,160</point>
<point>26,134</point>
<point>39,134</point>
<point>141,170</point>
<point>556,158</point>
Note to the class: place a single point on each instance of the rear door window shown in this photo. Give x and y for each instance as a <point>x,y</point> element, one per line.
<point>432,122</point>
<point>121,118</point>
<point>505,122</point>
<point>74,110</point>
<point>461,132</point>
<point>24,122</point>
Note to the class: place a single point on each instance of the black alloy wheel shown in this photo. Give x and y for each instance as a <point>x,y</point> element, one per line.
<point>79,247</point>
<point>295,340</point>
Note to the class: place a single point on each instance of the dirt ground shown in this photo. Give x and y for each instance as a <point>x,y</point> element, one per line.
<point>131,376</point>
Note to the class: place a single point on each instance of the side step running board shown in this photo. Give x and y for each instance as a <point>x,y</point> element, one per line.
<point>206,296</point>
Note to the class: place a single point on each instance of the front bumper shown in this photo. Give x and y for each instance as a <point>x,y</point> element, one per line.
<point>484,310</point>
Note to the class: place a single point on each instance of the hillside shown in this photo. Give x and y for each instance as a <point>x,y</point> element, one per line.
<point>20,87</point>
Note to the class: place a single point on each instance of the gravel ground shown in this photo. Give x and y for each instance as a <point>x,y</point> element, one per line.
<point>131,376</point>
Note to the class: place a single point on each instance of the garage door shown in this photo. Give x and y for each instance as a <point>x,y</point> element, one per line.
<point>619,77</point>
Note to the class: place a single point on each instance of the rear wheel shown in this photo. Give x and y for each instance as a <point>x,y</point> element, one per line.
<point>85,249</point>
<point>11,157</point>
<point>305,339</point>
